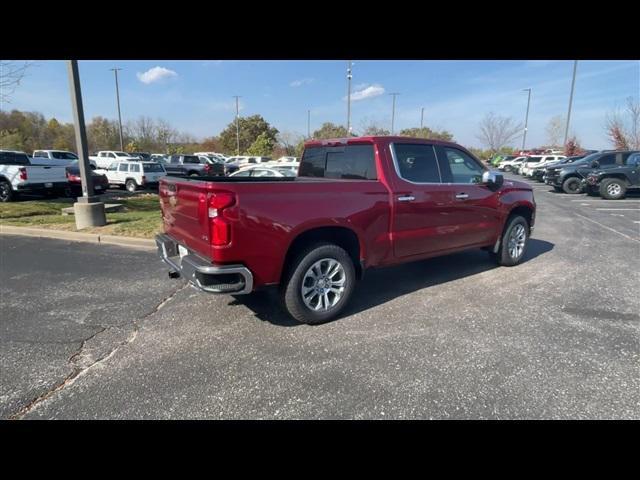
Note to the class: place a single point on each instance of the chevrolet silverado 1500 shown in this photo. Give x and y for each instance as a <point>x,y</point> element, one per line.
<point>356,203</point>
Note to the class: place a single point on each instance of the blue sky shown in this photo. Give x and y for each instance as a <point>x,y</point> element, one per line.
<point>195,96</point>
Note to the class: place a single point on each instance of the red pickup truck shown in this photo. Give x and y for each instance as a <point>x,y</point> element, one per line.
<point>356,203</point>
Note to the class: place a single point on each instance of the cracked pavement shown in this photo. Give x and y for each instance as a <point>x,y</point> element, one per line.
<point>557,337</point>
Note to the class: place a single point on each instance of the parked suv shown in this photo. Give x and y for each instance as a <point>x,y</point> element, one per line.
<point>568,178</point>
<point>613,183</point>
<point>188,166</point>
<point>132,175</point>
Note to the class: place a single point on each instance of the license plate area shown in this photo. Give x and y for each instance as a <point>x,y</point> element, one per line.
<point>48,185</point>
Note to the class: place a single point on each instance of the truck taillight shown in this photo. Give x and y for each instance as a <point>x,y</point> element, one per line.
<point>220,228</point>
<point>23,173</point>
<point>206,168</point>
<point>144,179</point>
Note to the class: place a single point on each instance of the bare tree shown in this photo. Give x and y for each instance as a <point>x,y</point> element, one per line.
<point>166,133</point>
<point>289,140</point>
<point>497,132</point>
<point>555,130</point>
<point>623,128</point>
<point>369,126</point>
<point>11,74</point>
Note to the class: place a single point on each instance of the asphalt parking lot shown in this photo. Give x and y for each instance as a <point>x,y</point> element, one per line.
<point>100,333</point>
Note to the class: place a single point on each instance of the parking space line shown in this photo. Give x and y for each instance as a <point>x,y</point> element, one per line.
<point>609,201</point>
<point>608,228</point>
<point>620,209</point>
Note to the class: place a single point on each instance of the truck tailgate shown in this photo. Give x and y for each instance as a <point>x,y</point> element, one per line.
<point>48,174</point>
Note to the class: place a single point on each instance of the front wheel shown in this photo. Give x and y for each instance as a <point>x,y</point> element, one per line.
<point>6,192</point>
<point>507,168</point>
<point>513,243</point>
<point>571,185</point>
<point>613,189</point>
<point>320,284</point>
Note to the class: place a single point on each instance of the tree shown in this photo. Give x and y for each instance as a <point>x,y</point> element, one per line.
<point>288,141</point>
<point>166,134</point>
<point>103,134</point>
<point>555,130</point>
<point>11,74</point>
<point>370,127</point>
<point>210,144</point>
<point>572,147</point>
<point>263,146</point>
<point>623,128</point>
<point>497,132</point>
<point>250,129</point>
<point>330,130</point>
<point>426,132</point>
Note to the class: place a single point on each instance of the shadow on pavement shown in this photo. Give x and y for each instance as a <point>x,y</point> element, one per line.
<point>381,285</point>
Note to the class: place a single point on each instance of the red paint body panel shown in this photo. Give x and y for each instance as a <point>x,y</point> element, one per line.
<point>268,216</point>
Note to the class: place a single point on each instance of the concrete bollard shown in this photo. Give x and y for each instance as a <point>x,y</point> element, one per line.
<point>89,214</point>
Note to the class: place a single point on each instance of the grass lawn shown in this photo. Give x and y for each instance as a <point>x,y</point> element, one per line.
<point>140,218</point>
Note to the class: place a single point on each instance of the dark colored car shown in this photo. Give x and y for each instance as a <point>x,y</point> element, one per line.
<point>100,182</point>
<point>568,178</point>
<point>144,155</point>
<point>540,172</point>
<point>613,183</point>
<point>192,166</point>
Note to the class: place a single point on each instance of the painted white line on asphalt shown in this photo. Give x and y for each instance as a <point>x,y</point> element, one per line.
<point>620,209</point>
<point>608,228</point>
<point>616,214</point>
<point>585,204</point>
<point>610,202</point>
<point>635,221</point>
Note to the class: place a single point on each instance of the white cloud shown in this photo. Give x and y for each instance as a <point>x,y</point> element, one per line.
<point>299,83</point>
<point>367,92</point>
<point>155,74</point>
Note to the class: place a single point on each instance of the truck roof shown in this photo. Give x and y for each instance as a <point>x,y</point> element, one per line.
<point>374,139</point>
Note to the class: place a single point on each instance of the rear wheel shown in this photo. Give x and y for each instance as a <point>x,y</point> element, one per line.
<point>513,243</point>
<point>571,185</point>
<point>507,168</point>
<point>6,192</point>
<point>320,284</point>
<point>613,189</point>
<point>194,174</point>
<point>131,185</point>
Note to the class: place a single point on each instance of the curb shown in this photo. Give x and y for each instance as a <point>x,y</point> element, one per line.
<point>79,237</point>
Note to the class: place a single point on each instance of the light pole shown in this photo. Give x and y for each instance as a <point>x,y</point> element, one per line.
<point>115,71</point>
<point>393,110</point>
<point>88,210</point>
<point>349,76</point>
<point>308,123</point>
<point>422,118</point>
<point>237,125</point>
<point>573,83</point>
<point>526,118</point>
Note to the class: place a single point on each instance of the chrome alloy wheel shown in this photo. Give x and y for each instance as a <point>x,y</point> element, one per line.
<point>323,284</point>
<point>517,239</point>
<point>614,189</point>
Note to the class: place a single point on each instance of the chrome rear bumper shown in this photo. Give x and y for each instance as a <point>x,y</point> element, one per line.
<point>202,274</point>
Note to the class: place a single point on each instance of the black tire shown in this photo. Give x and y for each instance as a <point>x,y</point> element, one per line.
<point>613,188</point>
<point>291,290</point>
<point>131,185</point>
<point>571,185</point>
<point>508,168</point>
<point>505,255</point>
<point>6,192</point>
<point>194,174</point>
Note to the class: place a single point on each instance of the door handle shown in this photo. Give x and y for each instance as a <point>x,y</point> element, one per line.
<point>407,198</point>
<point>462,196</point>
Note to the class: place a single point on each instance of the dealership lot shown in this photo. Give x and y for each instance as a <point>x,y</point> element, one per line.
<point>101,333</point>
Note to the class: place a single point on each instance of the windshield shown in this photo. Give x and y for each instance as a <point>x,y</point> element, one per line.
<point>64,155</point>
<point>121,154</point>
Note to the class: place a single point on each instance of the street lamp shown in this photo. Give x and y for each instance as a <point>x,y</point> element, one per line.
<point>308,123</point>
<point>115,71</point>
<point>349,76</point>
<point>573,83</point>
<point>237,125</point>
<point>526,118</point>
<point>393,110</point>
<point>422,118</point>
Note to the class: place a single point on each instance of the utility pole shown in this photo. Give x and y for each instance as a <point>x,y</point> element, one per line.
<point>349,76</point>
<point>115,71</point>
<point>237,125</point>
<point>393,111</point>
<point>308,123</point>
<point>573,83</point>
<point>422,118</point>
<point>88,210</point>
<point>526,118</point>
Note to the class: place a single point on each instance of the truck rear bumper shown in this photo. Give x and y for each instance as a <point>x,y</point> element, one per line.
<point>203,275</point>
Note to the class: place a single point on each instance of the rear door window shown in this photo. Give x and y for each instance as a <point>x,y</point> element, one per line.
<point>416,163</point>
<point>608,159</point>
<point>134,168</point>
<point>355,162</point>
<point>123,167</point>
<point>13,158</point>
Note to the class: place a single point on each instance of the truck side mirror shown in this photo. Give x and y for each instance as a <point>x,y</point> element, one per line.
<point>493,180</point>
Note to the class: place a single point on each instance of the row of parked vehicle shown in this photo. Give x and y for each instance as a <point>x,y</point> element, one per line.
<point>608,173</point>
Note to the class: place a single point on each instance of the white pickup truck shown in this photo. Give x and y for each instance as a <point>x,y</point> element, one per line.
<point>104,158</point>
<point>18,175</point>
<point>56,157</point>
